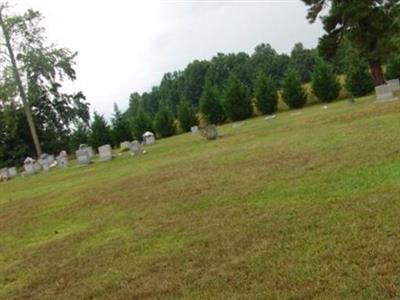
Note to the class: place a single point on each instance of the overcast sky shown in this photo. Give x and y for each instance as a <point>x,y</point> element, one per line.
<point>126,46</point>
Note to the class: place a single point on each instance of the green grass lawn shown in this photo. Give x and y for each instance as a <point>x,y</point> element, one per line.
<point>303,206</point>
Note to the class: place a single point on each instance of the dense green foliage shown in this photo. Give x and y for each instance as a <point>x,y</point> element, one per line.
<point>186,116</point>
<point>164,122</point>
<point>140,123</point>
<point>371,26</point>
<point>266,94</point>
<point>121,130</point>
<point>79,136</point>
<point>204,85</point>
<point>303,61</point>
<point>325,85</point>
<point>211,105</point>
<point>293,92</point>
<point>358,78</point>
<point>44,68</point>
<point>100,132</point>
<point>393,67</point>
<point>237,101</point>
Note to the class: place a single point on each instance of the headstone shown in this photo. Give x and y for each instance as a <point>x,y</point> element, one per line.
<point>105,152</point>
<point>50,159</point>
<point>12,172</point>
<point>148,138</point>
<point>271,117</point>
<point>44,162</point>
<point>135,148</point>
<point>125,146</point>
<point>29,166</point>
<point>210,132</point>
<point>394,85</point>
<point>37,167</point>
<point>194,129</point>
<point>4,174</point>
<point>384,93</point>
<point>62,159</point>
<point>83,157</point>
<point>88,149</point>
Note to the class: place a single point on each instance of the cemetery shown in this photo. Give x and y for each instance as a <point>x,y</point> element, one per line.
<point>255,173</point>
<point>258,180</point>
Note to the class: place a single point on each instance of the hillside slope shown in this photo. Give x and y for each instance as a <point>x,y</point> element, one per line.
<point>303,206</point>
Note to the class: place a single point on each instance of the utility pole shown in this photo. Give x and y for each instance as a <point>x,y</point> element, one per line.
<point>27,107</point>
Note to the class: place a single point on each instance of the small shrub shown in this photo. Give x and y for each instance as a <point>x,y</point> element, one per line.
<point>325,85</point>
<point>294,94</point>
<point>211,106</point>
<point>237,100</point>
<point>266,94</point>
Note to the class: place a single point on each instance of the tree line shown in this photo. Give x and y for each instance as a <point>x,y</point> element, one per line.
<point>228,87</point>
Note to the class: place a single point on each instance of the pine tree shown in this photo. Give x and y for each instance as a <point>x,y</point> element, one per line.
<point>164,122</point>
<point>100,132</point>
<point>140,123</point>
<point>120,127</point>
<point>186,116</point>
<point>237,101</point>
<point>266,94</point>
<point>325,85</point>
<point>359,81</point>
<point>211,106</point>
<point>294,94</point>
<point>393,68</point>
<point>79,136</point>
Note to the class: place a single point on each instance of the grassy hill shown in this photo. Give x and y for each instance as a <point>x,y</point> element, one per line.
<point>303,206</point>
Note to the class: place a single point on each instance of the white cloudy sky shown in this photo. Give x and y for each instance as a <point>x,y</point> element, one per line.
<point>126,46</point>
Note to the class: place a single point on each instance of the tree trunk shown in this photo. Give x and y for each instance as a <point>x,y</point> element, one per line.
<point>27,108</point>
<point>377,73</point>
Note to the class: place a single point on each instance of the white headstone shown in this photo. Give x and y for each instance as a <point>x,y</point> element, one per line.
<point>105,152</point>
<point>37,167</point>
<point>88,149</point>
<point>148,138</point>
<point>44,162</point>
<point>135,148</point>
<point>394,84</point>
<point>62,159</point>
<point>194,129</point>
<point>4,174</point>
<point>83,157</point>
<point>90,152</point>
<point>271,117</point>
<point>28,166</point>
<point>384,93</point>
<point>12,172</point>
<point>124,146</point>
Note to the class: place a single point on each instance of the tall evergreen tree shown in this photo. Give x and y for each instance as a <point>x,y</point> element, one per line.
<point>211,106</point>
<point>370,25</point>
<point>303,61</point>
<point>164,122</point>
<point>393,67</point>
<point>140,124</point>
<point>121,130</point>
<point>186,116</point>
<point>358,78</point>
<point>293,93</point>
<point>79,136</point>
<point>266,94</point>
<point>100,132</point>
<point>325,85</point>
<point>237,101</point>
